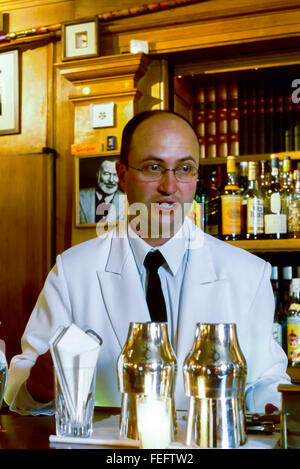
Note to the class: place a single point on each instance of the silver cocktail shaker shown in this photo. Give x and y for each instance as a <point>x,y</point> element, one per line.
<point>146,366</point>
<point>214,379</point>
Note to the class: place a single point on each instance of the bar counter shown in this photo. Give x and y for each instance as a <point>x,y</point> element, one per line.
<point>33,432</point>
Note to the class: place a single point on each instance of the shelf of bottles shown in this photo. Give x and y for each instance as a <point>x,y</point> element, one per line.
<point>286,328</point>
<point>252,201</point>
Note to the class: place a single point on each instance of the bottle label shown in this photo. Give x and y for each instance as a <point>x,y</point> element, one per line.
<point>231,214</point>
<point>293,336</point>
<point>275,202</point>
<point>275,224</point>
<point>294,218</point>
<point>255,215</point>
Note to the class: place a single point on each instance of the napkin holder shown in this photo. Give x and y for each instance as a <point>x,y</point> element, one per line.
<point>75,354</point>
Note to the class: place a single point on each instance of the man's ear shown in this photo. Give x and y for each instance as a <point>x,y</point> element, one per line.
<point>121,171</point>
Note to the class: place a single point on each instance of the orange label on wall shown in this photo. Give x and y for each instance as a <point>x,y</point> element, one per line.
<point>231,214</point>
<point>93,148</point>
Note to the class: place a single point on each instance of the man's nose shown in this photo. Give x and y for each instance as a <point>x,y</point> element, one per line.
<point>168,183</point>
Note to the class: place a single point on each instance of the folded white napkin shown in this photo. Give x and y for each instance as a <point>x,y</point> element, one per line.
<point>75,355</point>
<point>105,433</point>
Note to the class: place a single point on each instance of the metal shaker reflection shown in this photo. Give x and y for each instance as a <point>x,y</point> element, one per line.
<point>146,366</point>
<point>214,378</point>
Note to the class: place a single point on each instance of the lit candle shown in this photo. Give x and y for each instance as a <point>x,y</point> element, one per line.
<point>154,422</point>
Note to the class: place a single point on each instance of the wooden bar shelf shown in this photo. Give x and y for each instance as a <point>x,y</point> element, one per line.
<point>268,245</point>
<point>295,155</point>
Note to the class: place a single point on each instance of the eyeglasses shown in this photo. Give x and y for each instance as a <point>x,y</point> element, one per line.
<point>184,172</point>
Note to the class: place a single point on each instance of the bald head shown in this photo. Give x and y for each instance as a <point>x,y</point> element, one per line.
<point>162,121</point>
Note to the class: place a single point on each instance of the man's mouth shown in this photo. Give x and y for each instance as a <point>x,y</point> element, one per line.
<point>165,204</point>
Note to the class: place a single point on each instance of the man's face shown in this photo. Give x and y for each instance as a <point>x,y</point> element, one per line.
<point>107,177</point>
<point>168,141</point>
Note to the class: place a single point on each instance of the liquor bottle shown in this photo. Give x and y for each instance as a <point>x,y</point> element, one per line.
<point>274,215</point>
<point>293,209</point>
<point>252,206</point>
<point>212,206</point>
<point>286,277</point>
<point>293,326</point>
<point>231,203</point>
<point>287,187</point>
<point>277,323</point>
<point>287,175</point>
<point>243,176</point>
<point>197,210</point>
<point>264,177</point>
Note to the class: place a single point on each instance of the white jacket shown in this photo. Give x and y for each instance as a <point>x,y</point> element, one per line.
<point>96,285</point>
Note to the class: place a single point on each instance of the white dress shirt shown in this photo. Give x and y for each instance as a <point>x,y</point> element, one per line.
<point>171,273</point>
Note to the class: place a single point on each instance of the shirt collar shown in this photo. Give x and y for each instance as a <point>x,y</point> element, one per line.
<point>173,250</point>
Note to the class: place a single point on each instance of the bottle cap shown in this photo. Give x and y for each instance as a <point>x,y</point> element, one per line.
<point>286,163</point>
<point>287,272</point>
<point>274,275</point>
<point>231,167</point>
<point>252,170</point>
<point>274,160</point>
<point>295,284</point>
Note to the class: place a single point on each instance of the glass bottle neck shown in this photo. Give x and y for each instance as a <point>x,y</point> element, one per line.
<point>296,296</point>
<point>252,184</point>
<point>275,173</point>
<point>232,179</point>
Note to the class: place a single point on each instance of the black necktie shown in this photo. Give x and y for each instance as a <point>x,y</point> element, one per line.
<point>155,297</point>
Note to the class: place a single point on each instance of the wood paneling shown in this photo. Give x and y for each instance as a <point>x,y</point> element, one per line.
<point>132,81</point>
<point>35,105</point>
<point>26,209</point>
<point>204,24</point>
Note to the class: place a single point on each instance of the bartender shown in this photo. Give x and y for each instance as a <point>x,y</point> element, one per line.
<point>102,284</point>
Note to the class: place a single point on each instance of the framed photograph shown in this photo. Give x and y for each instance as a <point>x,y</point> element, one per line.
<point>99,200</point>
<point>9,93</point>
<point>102,115</point>
<point>80,39</point>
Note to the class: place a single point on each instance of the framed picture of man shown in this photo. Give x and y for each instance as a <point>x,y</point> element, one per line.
<point>99,198</point>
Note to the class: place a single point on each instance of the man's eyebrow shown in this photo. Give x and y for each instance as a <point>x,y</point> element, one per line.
<point>157,158</point>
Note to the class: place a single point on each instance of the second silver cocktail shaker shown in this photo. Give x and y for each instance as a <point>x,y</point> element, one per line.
<point>214,378</point>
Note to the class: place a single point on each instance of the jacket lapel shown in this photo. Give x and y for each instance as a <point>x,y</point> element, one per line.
<point>122,290</point>
<point>204,299</point>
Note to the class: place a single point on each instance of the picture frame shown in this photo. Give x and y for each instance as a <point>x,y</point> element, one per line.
<point>9,93</point>
<point>102,115</point>
<point>99,200</point>
<point>80,39</point>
